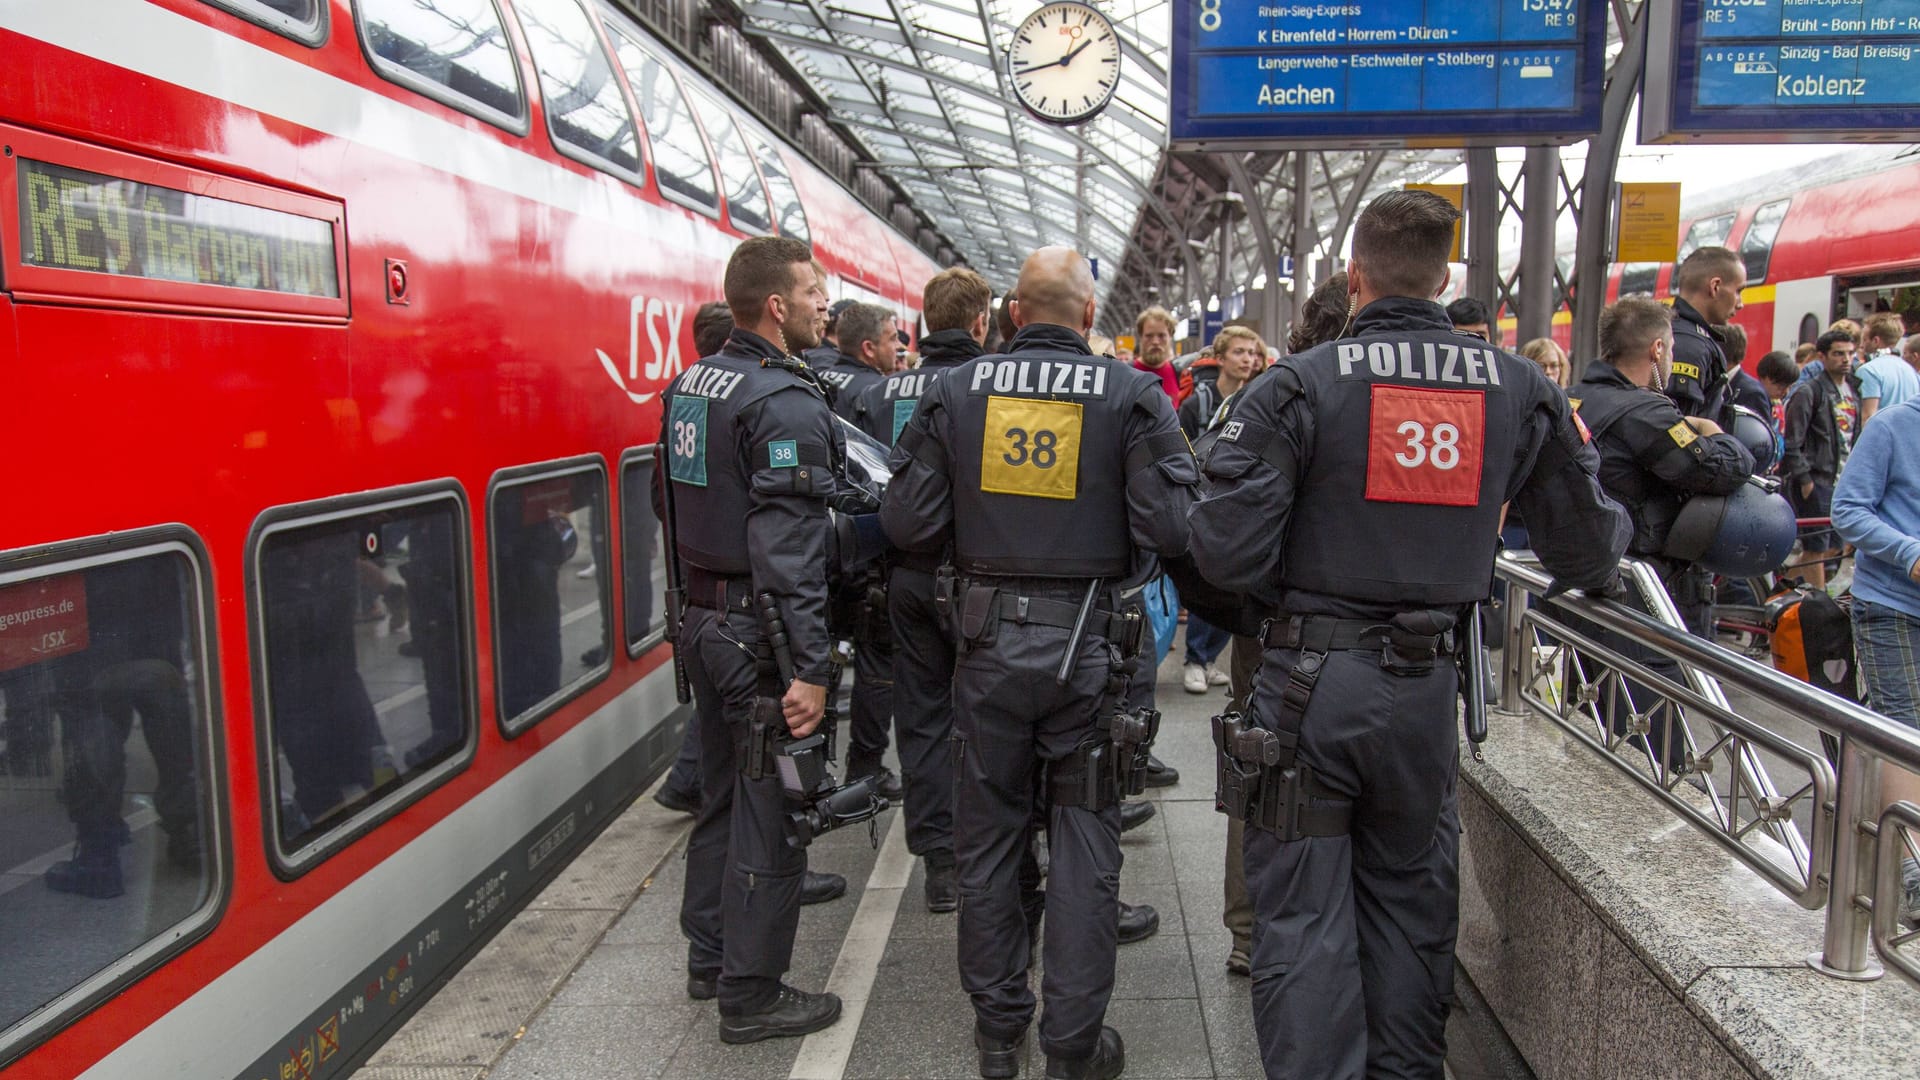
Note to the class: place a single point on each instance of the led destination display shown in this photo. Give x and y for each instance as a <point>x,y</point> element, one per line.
<point>1382,71</point>
<point>70,219</point>
<point>1759,70</point>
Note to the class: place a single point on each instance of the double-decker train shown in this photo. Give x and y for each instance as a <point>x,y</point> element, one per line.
<point>1834,239</point>
<point>332,333</point>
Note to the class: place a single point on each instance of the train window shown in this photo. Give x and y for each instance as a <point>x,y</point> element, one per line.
<point>680,161</point>
<point>363,663</point>
<point>1707,232</point>
<point>454,51</point>
<point>584,107</point>
<point>108,772</point>
<point>302,20</point>
<point>1756,248</point>
<point>1639,278</point>
<point>746,199</point>
<point>787,211</point>
<point>643,570</point>
<point>550,605</point>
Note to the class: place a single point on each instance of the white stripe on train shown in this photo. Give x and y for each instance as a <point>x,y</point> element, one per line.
<point>275,989</point>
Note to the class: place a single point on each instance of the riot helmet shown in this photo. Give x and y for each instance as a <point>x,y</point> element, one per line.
<point>1745,534</point>
<point>1755,434</point>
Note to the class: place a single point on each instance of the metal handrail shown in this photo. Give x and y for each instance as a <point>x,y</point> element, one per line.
<point>1847,870</point>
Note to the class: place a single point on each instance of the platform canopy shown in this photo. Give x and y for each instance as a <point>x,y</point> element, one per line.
<point>922,86</point>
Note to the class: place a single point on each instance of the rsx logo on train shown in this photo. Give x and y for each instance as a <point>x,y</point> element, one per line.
<point>662,321</point>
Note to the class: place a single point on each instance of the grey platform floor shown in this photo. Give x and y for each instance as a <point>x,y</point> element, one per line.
<point>589,982</point>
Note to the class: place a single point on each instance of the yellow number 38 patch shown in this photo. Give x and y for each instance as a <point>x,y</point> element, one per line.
<point>1031,448</point>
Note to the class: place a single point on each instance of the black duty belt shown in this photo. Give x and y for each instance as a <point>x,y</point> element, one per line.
<point>1325,633</point>
<point>718,592</point>
<point>1040,611</point>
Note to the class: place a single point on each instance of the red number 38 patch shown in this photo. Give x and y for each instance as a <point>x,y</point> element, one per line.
<point>1426,446</point>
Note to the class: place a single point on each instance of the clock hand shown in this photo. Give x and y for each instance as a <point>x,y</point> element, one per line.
<point>1062,62</point>
<point>1065,60</point>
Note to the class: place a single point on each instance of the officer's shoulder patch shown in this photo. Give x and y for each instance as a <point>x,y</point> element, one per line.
<point>1683,434</point>
<point>1691,371</point>
<point>783,454</point>
<point>1573,403</point>
<point>1231,432</point>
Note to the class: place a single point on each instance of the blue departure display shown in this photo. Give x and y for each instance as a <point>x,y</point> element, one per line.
<point>1385,71</point>
<point>1829,68</point>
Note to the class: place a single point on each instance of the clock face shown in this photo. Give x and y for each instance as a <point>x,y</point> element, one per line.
<point>1064,62</point>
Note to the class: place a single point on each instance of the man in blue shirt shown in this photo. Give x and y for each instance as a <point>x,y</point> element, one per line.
<point>1886,379</point>
<point>1876,507</point>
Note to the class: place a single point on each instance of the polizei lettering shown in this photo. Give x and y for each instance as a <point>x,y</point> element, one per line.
<point>1419,361</point>
<point>1054,378</point>
<point>911,384</point>
<point>705,380</point>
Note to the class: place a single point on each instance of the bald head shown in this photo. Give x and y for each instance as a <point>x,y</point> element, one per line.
<point>1056,286</point>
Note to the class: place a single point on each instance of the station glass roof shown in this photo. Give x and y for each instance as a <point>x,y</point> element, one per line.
<point>922,84</point>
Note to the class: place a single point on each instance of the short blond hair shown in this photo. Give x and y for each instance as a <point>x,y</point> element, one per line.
<point>1886,328</point>
<point>954,298</point>
<point>1229,334</point>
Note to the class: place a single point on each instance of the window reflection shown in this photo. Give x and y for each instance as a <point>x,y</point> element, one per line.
<point>365,656</point>
<point>104,766</point>
<point>746,199</point>
<point>680,161</point>
<point>786,198</point>
<point>550,624</point>
<point>455,45</point>
<point>581,97</point>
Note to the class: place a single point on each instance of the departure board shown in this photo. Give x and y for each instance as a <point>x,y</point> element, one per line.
<point>1386,72</point>
<point>1783,70</point>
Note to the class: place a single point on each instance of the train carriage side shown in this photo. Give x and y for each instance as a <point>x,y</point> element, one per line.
<point>342,346</point>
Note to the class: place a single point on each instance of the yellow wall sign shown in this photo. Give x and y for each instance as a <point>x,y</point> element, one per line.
<point>1031,448</point>
<point>1455,194</point>
<point>1648,223</point>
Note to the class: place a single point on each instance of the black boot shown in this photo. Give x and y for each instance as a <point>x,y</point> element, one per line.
<point>1105,1063</point>
<point>1135,814</point>
<point>943,884</point>
<point>999,1058</point>
<point>1138,922</point>
<point>793,1012</point>
<point>1161,774</point>
<point>820,888</point>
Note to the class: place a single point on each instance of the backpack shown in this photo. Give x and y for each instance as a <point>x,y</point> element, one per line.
<point>1811,637</point>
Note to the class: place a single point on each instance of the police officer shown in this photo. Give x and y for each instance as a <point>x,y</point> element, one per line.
<point>824,355</point>
<point>867,348</point>
<point>1361,482</point>
<point>1046,469</point>
<point>1652,459</point>
<point>1706,294</point>
<point>956,304</point>
<point>750,451</point>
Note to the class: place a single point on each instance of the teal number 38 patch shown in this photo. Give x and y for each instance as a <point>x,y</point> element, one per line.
<point>783,454</point>
<point>687,441</point>
<point>902,412</point>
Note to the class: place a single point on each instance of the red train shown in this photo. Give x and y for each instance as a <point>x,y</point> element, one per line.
<point>332,334</point>
<point>1840,240</point>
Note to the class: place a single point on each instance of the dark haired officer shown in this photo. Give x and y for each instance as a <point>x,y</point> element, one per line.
<point>750,452</point>
<point>1048,469</point>
<point>825,354</point>
<point>1652,459</point>
<point>867,349</point>
<point>1706,295</point>
<point>956,303</point>
<point>1361,482</point>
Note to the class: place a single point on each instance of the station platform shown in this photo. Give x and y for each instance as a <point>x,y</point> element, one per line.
<point>588,983</point>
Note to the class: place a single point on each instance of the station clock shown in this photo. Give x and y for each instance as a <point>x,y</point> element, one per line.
<point>1064,63</point>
